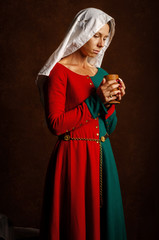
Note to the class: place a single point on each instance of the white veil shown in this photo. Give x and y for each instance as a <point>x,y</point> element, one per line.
<point>85,24</point>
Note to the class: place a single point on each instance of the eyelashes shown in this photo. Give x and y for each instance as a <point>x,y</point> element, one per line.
<point>97,36</point>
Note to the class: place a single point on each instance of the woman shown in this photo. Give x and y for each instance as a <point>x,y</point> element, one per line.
<point>82,198</point>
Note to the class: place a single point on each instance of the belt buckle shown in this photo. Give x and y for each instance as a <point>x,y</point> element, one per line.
<point>67,137</point>
<point>103,138</point>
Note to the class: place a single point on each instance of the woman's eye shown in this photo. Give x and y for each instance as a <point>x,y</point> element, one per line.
<point>97,36</point>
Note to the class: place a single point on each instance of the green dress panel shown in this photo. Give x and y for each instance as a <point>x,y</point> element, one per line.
<point>111,212</point>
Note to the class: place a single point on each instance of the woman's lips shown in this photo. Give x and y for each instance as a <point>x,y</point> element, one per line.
<point>96,51</point>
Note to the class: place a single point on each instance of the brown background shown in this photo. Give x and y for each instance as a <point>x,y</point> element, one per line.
<point>31,31</point>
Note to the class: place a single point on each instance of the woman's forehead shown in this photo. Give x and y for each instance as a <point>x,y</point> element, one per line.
<point>104,30</point>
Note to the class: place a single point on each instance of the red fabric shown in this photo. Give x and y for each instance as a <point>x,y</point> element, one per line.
<point>71,207</point>
<point>110,111</point>
<point>66,95</point>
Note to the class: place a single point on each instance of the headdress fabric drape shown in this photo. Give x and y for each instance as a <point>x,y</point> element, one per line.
<point>83,27</point>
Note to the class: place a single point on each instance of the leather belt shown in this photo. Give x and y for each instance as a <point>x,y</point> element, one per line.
<point>67,137</point>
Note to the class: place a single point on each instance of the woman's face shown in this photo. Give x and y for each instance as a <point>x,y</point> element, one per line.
<point>96,43</point>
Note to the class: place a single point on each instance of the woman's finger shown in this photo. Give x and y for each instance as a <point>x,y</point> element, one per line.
<point>122,83</point>
<point>122,92</point>
<point>115,92</point>
<point>119,96</point>
<point>105,84</point>
<point>113,86</point>
<point>110,98</point>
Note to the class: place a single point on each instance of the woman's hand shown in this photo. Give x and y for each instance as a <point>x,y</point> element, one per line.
<point>107,91</point>
<point>122,89</point>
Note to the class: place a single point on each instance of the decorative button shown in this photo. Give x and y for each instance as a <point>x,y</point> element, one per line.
<point>97,134</point>
<point>102,139</point>
<point>87,77</point>
<point>90,83</point>
<point>96,126</point>
<point>67,137</point>
<point>86,121</point>
<point>95,119</point>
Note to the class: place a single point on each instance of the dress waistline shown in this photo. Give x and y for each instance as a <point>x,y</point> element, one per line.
<point>67,137</point>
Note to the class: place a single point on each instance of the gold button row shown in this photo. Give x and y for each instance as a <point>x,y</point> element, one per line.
<point>90,82</point>
<point>81,125</point>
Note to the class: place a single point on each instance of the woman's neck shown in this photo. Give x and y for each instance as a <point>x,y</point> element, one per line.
<point>76,59</point>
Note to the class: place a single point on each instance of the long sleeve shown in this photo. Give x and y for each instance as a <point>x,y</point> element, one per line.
<point>58,119</point>
<point>111,119</point>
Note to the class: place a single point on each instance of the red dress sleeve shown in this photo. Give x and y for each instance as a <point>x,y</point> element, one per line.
<point>58,119</point>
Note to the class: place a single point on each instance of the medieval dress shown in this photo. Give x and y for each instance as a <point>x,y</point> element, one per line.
<point>82,198</point>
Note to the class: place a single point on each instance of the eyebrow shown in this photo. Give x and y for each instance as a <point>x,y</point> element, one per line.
<point>101,34</point>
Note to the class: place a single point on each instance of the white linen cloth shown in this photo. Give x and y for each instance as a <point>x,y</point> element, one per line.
<point>83,27</point>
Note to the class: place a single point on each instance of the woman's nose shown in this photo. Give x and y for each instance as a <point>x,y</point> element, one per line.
<point>101,42</point>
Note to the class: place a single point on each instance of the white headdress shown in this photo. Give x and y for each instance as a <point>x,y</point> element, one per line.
<point>85,24</point>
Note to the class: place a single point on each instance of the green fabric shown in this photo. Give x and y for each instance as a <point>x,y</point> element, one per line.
<point>95,105</point>
<point>111,123</point>
<point>112,216</point>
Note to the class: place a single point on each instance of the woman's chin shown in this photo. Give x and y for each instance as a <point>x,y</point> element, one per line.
<point>92,55</point>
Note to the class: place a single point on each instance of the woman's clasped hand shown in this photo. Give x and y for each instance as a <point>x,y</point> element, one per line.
<point>111,90</point>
